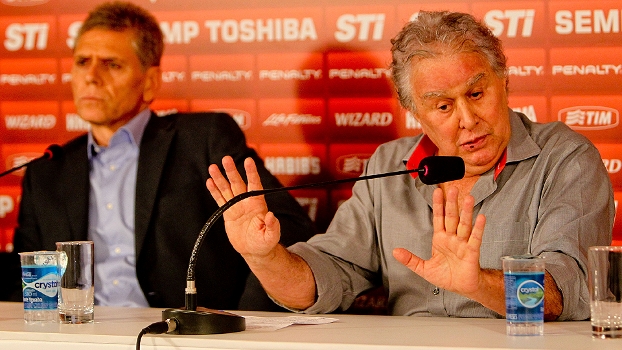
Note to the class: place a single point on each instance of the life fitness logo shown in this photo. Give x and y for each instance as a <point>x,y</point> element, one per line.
<point>530,294</point>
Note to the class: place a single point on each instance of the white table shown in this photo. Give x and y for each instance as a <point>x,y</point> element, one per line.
<point>117,328</point>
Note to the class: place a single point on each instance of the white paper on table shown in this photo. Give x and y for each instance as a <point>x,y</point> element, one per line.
<point>275,323</point>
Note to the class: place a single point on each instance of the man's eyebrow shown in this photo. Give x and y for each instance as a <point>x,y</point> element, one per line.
<point>471,82</point>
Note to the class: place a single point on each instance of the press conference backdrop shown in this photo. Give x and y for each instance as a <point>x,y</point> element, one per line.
<point>307,81</point>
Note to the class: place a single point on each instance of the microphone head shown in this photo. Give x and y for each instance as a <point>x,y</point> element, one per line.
<point>53,151</point>
<point>438,169</point>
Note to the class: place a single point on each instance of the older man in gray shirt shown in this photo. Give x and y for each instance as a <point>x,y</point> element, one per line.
<point>529,188</point>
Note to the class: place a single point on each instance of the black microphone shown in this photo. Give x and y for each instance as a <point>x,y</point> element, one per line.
<point>52,152</point>
<point>432,170</point>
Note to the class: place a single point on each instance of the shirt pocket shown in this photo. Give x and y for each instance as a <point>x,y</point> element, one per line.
<point>503,239</point>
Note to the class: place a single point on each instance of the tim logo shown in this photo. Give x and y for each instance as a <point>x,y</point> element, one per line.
<point>352,163</point>
<point>589,117</point>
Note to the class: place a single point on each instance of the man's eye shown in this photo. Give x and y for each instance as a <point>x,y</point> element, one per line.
<point>80,62</point>
<point>443,107</point>
<point>476,94</point>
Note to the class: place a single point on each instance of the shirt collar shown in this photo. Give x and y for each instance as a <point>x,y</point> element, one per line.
<point>426,148</point>
<point>132,132</point>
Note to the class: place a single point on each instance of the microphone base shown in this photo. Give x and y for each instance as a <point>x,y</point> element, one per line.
<point>204,321</point>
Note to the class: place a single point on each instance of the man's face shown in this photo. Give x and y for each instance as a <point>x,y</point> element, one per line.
<point>109,84</point>
<point>462,106</point>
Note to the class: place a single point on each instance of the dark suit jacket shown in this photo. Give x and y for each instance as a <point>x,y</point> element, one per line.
<point>172,205</point>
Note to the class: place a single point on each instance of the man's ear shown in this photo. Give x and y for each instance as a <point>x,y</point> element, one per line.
<point>153,81</point>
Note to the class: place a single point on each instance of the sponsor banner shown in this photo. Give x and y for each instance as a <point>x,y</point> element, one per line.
<point>534,107</point>
<point>15,154</point>
<point>406,124</point>
<point>408,12</point>
<point>315,203</point>
<point>526,69</point>
<point>348,161</point>
<point>359,73</point>
<point>617,224</point>
<point>241,31</point>
<point>291,121</point>
<point>243,111</point>
<point>585,24</point>
<point>174,77</point>
<point>28,36</point>
<point>360,27</point>
<point>597,117</point>
<point>24,121</point>
<point>295,163</point>
<point>64,90</point>
<point>595,69</point>
<point>6,238</point>
<point>612,159</point>
<point>516,23</point>
<point>362,120</point>
<point>290,74</point>
<point>28,78</point>
<point>221,76</point>
<point>74,124</point>
<point>9,205</point>
<point>68,27</point>
<point>166,107</point>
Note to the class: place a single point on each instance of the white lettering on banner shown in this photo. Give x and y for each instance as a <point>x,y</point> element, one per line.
<point>292,74</point>
<point>495,20</point>
<point>27,79</point>
<point>72,33</point>
<point>587,69</point>
<point>364,119</point>
<point>27,36</point>
<point>173,76</point>
<point>587,21</point>
<point>73,122</point>
<point>285,119</point>
<point>30,122</point>
<point>353,164</point>
<point>293,165</point>
<point>529,111</point>
<point>363,73</point>
<point>258,30</point>
<point>311,203</point>
<point>6,205</point>
<point>525,71</point>
<point>233,75</point>
<point>65,78</point>
<point>613,165</point>
<point>589,117</point>
<point>179,32</point>
<point>412,122</point>
<point>370,27</point>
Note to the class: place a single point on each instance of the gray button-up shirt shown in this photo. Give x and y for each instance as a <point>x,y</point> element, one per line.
<point>553,199</point>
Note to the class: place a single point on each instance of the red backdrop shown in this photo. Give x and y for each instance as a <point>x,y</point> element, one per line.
<point>307,81</point>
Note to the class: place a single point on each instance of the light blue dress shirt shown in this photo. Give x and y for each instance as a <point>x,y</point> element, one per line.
<point>111,214</point>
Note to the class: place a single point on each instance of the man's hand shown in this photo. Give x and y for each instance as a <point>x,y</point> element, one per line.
<point>253,231</point>
<point>454,265</point>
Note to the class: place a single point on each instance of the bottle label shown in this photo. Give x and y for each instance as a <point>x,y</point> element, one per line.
<point>524,296</point>
<point>40,287</point>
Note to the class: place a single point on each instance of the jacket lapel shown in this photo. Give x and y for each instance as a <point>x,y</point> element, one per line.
<point>154,148</point>
<point>75,185</point>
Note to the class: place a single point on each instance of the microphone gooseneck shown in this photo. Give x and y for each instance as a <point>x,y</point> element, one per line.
<point>431,170</point>
<point>51,152</point>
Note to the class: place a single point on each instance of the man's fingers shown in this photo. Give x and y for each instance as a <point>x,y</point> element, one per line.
<point>452,215</point>
<point>409,260</point>
<point>254,181</point>
<point>466,216</point>
<point>235,179</point>
<point>438,211</point>
<point>218,185</point>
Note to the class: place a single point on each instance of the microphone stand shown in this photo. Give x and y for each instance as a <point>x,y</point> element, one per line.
<point>208,321</point>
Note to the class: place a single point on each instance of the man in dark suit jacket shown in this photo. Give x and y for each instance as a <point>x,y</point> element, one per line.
<point>114,78</point>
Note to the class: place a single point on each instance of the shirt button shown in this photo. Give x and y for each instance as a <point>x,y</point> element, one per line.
<point>113,167</point>
<point>436,291</point>
<point>117,250</point>
<point>109,206</point>
<point>115,282</point>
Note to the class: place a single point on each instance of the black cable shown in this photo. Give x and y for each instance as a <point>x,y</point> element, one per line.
<point>165,326</point>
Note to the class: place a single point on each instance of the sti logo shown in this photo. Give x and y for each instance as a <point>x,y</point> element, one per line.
<point>589,117</point>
